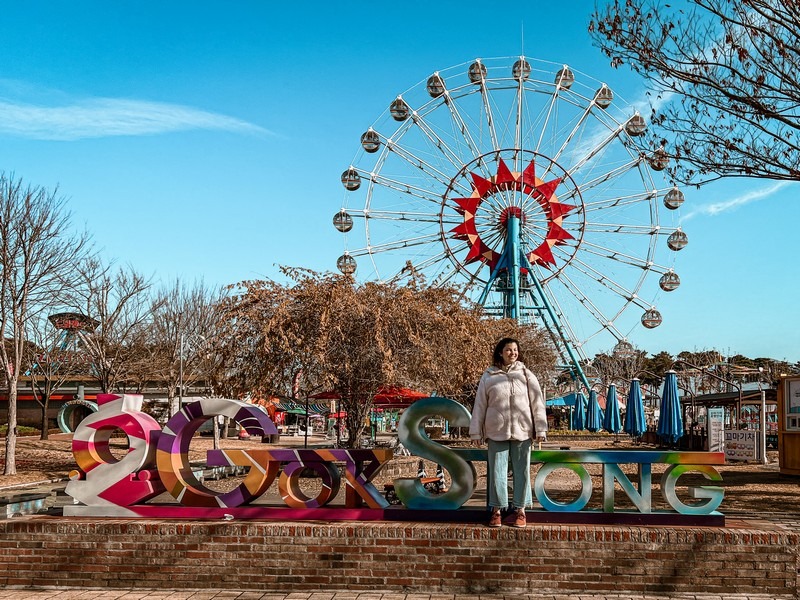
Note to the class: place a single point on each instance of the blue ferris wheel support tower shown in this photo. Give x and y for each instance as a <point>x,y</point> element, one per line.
<point>514,290</point>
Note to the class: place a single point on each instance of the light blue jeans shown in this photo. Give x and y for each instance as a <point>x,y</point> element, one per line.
<point>519,454</point>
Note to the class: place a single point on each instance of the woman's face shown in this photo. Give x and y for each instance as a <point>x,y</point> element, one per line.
<point>510,353</point>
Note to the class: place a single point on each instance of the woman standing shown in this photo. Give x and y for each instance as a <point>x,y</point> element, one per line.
<point>509,412</point>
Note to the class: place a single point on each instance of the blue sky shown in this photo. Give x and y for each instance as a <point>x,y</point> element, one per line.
<point>206,140</point>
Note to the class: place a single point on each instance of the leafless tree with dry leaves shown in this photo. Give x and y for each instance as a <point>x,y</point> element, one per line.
<point>325,332</point>
<point>724,72</point>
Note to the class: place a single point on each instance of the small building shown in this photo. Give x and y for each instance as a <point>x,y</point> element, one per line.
<point>789,425</point>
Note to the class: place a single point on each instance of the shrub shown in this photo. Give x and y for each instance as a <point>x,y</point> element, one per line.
<point>21,430</point>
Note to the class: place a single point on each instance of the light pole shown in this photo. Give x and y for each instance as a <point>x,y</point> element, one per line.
<point>180,376</point>
<point>763,418</point>
<point>180,362</point>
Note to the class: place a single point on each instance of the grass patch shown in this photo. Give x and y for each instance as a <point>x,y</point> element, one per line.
<point>21,430</point>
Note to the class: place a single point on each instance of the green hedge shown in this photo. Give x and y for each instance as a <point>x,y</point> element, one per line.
<point>21,430</point>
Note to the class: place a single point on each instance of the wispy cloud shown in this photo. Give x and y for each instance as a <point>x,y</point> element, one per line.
<point>716,208</point>
<point>646,104</point>
<point>106,117</point>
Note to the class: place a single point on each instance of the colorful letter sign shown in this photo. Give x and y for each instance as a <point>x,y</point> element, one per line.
<point>157,464</point>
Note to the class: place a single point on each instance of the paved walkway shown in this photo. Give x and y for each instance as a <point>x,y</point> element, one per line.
<point>105,594</point>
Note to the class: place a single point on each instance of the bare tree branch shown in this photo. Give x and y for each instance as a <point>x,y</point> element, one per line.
<point>726,72</point>
<point>118,300</point>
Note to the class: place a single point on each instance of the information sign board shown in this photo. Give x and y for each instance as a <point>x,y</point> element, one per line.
<point>716,418</point>
<point>742,445</point>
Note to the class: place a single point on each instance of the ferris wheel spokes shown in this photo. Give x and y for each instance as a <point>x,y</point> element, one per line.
<point>548,112</point>
<point>569,353</point>
<point>417,162</point>
<point>590,306</point>
<point>405,188</point>
<point>520,72</point>
<point>461,127</point>
<point>618,201</point>
<point>617,255</point>
<point>490,122</point>
<point>615,171</point>
<point>595,151</point>
<point>419,217</point>
<point>449,154</point>
<point>575,130</point>
<point>610,284</point>
<point>395,245</point>
<point>624,228</point>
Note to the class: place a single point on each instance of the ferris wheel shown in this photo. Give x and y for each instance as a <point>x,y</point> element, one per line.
<point>521,181</point>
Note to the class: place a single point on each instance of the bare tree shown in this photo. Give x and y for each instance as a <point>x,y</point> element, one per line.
<point>355,339</point>
<point>120,303</point>
<point>51,360</point>
<point>726,73</point>
<point>618,367</point>
<point>182,335</point>
<point>38,254</point>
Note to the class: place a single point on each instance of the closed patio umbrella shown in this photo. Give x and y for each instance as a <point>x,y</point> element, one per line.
<point>594,419</point>
<point>579,414</point>
<point>635,424</point>
<point>611,420</point>
<point>670,424</point>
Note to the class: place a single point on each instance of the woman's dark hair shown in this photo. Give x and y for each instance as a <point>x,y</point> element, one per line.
<point>497,355</point>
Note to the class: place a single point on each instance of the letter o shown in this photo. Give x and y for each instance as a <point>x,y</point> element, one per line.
<point>550,504</point>
<point>289,484</point>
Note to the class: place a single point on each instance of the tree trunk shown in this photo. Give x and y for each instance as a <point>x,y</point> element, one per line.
<point>173,405</point>
<point>355,427</point>
<point>215,425</point>
<point>10,466</point>
<point>45,423</point>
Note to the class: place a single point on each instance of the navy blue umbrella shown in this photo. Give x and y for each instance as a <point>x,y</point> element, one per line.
<point>611,421</point>
<point>635,424</point>
<point>670,424</point>
<point>579,414</point>
<point>594,420</point>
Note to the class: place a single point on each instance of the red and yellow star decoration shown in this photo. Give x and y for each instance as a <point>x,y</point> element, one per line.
<point>527,183</point>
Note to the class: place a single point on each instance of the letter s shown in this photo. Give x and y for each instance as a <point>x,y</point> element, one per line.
<point>411,432</point>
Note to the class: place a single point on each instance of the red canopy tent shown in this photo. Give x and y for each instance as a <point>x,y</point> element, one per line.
<point>387,397</point>
<point>397,397</point>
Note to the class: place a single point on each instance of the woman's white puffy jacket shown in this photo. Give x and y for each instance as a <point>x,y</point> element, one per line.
<point>509,405</point>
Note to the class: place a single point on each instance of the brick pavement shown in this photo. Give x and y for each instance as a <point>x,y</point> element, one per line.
<point>162,594</point>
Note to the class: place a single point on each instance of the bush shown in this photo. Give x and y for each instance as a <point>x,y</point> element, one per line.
<point>21,430</point>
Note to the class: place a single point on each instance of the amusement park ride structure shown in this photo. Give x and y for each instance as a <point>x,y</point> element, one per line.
<point>524,182</point>
<point>67,347</point>
<point>71,325</point>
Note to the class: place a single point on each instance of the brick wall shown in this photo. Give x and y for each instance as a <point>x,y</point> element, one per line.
<point>416,557</point>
